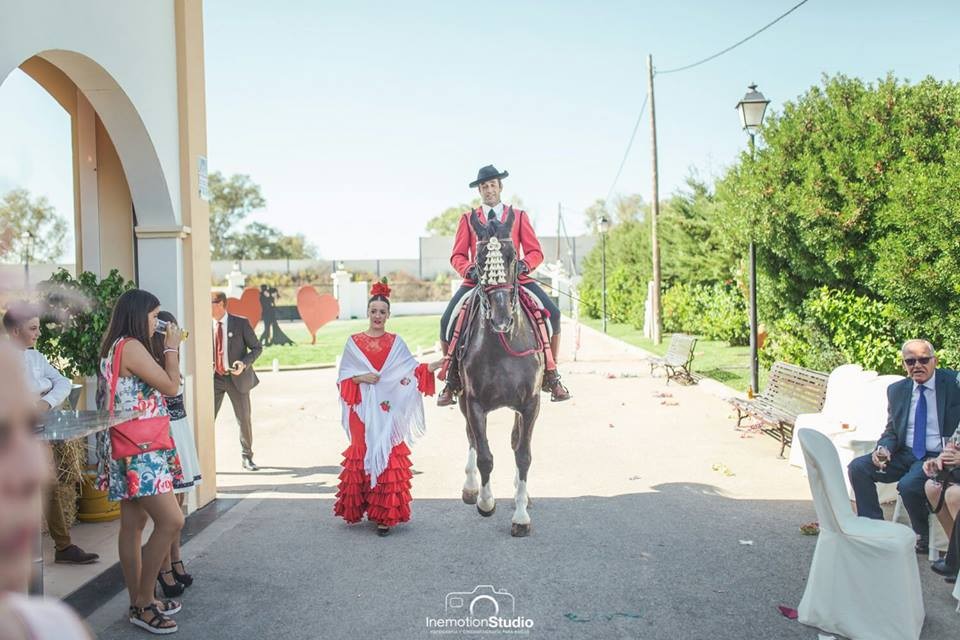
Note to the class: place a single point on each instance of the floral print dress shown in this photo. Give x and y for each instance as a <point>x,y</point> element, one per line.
<point>145,474</point>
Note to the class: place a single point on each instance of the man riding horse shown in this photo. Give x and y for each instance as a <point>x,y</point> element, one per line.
<point>464,260</point>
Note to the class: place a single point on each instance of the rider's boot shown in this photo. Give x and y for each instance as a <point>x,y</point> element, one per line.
<point>551,377</point>
<point>448,397</point>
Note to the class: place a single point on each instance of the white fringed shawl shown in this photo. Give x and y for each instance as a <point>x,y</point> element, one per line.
<point>391,410</point>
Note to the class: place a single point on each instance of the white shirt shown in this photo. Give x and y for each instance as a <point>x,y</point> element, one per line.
<point>43,380</point>
<point>933,424</point>
<point>497,209</point>
<point>226,336</point>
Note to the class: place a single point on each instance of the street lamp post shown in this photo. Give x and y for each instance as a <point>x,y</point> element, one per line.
<point>752,108</point>
<point>27,241</point>
<point>604,227</point>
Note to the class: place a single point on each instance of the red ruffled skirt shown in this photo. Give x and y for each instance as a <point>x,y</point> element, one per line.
<point>389,502</point>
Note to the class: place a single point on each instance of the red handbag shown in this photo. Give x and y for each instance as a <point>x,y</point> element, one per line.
<point>139,435</point>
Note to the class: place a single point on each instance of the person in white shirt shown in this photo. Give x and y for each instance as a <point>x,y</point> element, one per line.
<point>50,388</point>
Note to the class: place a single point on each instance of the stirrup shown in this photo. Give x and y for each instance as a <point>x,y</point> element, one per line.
<point>447,397</point>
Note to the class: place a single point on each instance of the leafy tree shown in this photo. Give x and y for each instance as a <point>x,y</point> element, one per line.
<point>30,228</point>
<point>231,202</point>
<point>259,241</point>
<point>857,189</point>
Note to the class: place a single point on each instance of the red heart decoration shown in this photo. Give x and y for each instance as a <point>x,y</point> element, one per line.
<point>247,305</point>
<point>316,310</point>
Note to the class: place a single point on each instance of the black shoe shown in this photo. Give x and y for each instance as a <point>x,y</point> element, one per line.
<point>183,578</point>
<point>249,465</point>
<point>383,530</point>
<point>74,555</point>
<point>950,579</point>
<point>923,546</point>
<point>940,566</point>
<point>170,590</point>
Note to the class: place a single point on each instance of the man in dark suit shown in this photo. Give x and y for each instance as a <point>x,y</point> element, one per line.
<point>235,349</point>
<point>920,410</point>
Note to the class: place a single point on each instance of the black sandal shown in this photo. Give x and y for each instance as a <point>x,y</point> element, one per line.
<point>183,578</point>
<point>159,624</point>
<point>170,590</point>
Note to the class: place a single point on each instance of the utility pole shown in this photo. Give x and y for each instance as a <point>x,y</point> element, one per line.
<point>654,207</point>
<point>559,219</point>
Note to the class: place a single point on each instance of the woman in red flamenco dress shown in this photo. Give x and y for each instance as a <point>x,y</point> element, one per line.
<point>381,388</point>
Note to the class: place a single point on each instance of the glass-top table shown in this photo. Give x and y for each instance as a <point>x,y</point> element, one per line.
<point>71,425</point>
<point>61,426</point>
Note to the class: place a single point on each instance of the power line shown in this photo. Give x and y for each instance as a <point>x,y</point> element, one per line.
<point>629,146</point>
<point>737,44</point>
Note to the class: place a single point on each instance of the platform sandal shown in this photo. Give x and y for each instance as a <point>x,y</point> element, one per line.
<point>183,578</point>
<point>158,623</point>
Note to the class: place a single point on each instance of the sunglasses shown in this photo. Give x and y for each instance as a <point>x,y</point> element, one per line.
<point>912,361</point>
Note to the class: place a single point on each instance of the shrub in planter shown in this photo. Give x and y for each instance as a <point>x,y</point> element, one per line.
<point>76,314</point>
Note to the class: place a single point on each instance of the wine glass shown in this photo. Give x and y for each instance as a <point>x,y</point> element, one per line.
<point>884,458</point>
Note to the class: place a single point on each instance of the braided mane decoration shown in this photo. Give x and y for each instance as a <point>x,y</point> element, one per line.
<point>493,267</point>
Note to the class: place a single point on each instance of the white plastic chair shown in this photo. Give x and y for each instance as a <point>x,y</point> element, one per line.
<point>938,537</point>
<point>844,387</point>
<point>867,427</point>
<point>864,581</point>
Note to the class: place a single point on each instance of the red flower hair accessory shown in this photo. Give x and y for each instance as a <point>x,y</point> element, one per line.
<point>380,289</point>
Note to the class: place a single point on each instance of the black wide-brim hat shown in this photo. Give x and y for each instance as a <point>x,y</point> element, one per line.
<point>488,172</point>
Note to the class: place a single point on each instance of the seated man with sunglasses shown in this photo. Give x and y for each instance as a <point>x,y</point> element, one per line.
<point>921,410</point>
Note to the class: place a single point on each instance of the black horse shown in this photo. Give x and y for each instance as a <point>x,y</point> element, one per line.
<point>502,366</point>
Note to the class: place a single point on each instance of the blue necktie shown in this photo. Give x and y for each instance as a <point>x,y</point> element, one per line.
<point>920,426</point>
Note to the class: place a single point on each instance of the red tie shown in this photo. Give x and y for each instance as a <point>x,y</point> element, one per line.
<point>218,342</point>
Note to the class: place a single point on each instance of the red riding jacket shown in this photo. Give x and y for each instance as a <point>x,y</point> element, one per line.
<point>523,235</point>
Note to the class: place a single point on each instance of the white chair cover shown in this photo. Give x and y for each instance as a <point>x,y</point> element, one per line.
<point>844,389</point>
<point>863,582</point>
<point>956,594</point>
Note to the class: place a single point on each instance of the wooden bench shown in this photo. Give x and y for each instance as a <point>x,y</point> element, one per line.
<point>676,362</point>
<point>791,390</point>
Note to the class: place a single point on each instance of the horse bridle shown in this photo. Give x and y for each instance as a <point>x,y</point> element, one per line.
<point>493,277</point>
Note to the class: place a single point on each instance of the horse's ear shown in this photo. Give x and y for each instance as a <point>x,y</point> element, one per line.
<point>478,228</point>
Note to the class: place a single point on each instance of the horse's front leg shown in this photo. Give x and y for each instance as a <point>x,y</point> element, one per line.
<point>477,422</point>
<point>522,434</point>
<point>471,485</point>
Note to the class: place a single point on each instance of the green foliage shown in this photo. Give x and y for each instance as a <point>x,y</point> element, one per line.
<point>857,189</point>
<point>628,271</point>
<point>833,327</point>
<point>76,315</point>
<point>716,311</point>
<point>231,201</point>
<point>30,228</point>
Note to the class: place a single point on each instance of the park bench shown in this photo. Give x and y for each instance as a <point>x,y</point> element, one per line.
<point>791,390</point>
<point>676,362</point>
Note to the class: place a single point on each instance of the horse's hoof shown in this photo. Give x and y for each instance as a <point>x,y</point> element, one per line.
<point>519,530</point>
<point>470,497</point>
<point>486,514</point>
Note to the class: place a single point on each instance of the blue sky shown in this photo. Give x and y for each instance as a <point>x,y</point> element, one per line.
<point>362,120</point>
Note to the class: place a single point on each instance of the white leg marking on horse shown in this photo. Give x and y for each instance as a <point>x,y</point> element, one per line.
<point>520,515</point>
<point>486,501</point>
<point>472,482</point>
